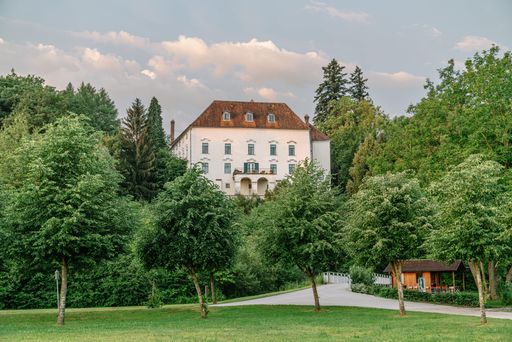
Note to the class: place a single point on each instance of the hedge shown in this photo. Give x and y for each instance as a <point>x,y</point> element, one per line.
<point>455,298</point>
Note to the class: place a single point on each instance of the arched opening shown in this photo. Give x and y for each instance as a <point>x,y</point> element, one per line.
<point>245,186</point>
<point>262,186</point>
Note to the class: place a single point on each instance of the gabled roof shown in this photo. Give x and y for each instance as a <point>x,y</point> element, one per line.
<point>316,135</point>
<point>285,118</point>
<point>424,265</point>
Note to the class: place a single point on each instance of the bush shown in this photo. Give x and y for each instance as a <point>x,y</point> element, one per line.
<point>361,275</point>
<point>360,288</point>
<point>506,294</point>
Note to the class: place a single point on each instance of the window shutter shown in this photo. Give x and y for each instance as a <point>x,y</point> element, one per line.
<point>257,166</point>
<point>245,167</point>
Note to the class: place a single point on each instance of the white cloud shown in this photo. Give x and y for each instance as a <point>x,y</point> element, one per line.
<point>190,83</point>
<point>252,61</point>
<point>148,73</point>
<point>2,41</point>
<point>268,94</point>
<point>398,79</point>
<point>472,43</point>
<point>348,16</point>
<point>119,38</point>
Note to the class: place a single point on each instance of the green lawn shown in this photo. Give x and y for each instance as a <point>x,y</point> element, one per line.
<point>249,323</point>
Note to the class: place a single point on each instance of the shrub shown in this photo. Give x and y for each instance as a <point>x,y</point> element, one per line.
<point>506,294</point>
<point>361,275</point>
<point>360,288</point>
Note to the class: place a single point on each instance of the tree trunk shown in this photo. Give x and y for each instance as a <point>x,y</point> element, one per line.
<point>492,280</point>
<point>63,290</point>
<point>311,277</point>
<point>484,281</point>
<point>212,285</point>
<point>508,278</point>
<point>397,273</point>
<point>474,267</point>
<point>202,305</point>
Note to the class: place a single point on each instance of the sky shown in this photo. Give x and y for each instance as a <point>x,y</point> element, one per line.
<point>189,53</point>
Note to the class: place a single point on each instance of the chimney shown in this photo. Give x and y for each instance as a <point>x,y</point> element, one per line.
<point>306,119</point>
<point>172,131</point>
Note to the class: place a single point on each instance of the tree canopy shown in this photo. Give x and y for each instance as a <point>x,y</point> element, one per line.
<point>332,88</point>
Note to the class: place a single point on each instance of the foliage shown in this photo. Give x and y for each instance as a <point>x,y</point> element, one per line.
<point>358,89</point>
<point>348,125</point>
<point>155,129</point>
<point>301,223</point>
<point>332,88</point>
<point>361,275</point>
<point>137,153</point>
<point>192,229</point>
<point>388,219</point>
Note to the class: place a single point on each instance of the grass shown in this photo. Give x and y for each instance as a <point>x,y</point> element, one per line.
<point>245,323</point>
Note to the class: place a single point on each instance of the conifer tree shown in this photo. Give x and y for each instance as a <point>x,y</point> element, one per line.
<point>137,153</point>
<point>155,129</point>
<point>333,87</point>
<point>358,88</point>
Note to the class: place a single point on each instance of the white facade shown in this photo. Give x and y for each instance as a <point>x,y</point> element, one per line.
<point>250,160</point>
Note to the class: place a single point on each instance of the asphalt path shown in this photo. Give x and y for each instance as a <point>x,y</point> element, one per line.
<point>338,295</point>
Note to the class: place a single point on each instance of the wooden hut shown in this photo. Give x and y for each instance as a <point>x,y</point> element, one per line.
<point>427,275</point>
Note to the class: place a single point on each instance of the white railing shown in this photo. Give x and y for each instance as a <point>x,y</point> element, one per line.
<point>344,279</point>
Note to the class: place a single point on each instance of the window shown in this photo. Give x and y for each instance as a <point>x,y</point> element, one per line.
<point>291,150</point>
<point>204,167</point>
<point>291,168</point>
<point>228,185</point>
<point>227,148</point>
<point>250,149</point>
<point>273,169</point>
<point>251,167</point>
<point>271,117</point>
<point>204,148</point>
<point>273,149</point>
<point>226,116</point>
<point>227,168</point>
<point>249,116</point>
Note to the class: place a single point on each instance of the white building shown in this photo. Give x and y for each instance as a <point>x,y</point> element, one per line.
<point>248,147</point>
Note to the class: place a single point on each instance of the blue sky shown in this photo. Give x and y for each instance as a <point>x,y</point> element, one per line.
<point>188,53</point>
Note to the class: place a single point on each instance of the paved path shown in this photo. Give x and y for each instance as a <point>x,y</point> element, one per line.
<point>336,295</point>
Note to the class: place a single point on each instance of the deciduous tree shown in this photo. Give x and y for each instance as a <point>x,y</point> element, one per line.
<point>387,221</point>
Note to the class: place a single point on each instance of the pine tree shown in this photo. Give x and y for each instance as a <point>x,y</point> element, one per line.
<point>137,153</point>
<point>155,129</point>
<point>358,89</point>
<point>333,87</point>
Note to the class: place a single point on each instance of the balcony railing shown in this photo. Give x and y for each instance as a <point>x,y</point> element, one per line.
<point>239,171</point>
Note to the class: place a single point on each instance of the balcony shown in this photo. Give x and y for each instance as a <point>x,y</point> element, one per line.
<point>240,171</point>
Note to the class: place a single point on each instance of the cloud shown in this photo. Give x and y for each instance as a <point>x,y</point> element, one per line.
<point>253,61</point>
<point>148,73</point>
<point>472,43</point>
<point>401,76</point>
<point>268,94</point>
<point>118,38</point>
<point>2,41</point>
<point>348,16</point>
<point>190,83</point>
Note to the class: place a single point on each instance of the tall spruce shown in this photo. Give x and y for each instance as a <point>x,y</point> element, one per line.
<point>138,153</point>
<point>155,128</point>
<point>333,87</point>
<point>358,88</point>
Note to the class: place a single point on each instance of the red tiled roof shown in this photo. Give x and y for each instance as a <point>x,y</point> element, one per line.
<point>423,265</point>
<point>285,118</point>
<point>316,135</point>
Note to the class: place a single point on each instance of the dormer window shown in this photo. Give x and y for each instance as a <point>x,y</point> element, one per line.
<point>226,116</point>
<point>249,116</point>
<point>271,117</point>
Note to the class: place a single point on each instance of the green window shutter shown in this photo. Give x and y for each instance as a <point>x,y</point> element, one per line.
<point>257,166</point>
<point>245,167</point>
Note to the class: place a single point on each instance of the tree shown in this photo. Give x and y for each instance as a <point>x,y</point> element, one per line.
<point>387,221</point>
<point>359,169</point>
<point>66,208</point>
<point>301,224</point>
<point>358,89</point>
<point>155,130</point>
<point>137,153</point>
<point>96,105</point>
<point>351,122</point>
<point>332,88</point>
<point>193,229</point>
<point>472,221</point>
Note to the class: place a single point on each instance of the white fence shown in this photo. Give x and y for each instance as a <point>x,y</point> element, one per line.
<point>344,279</point>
